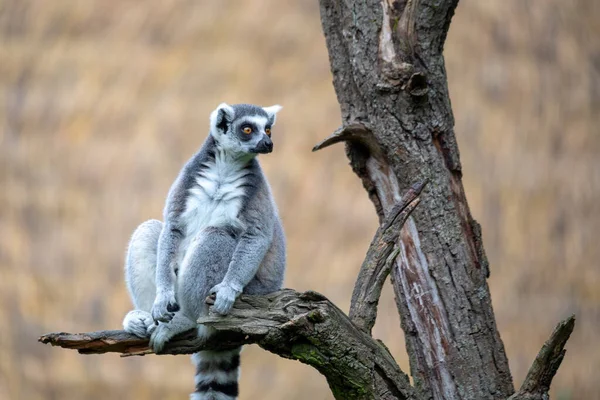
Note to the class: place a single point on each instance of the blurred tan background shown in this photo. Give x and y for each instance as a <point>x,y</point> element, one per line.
<point>101,102</point>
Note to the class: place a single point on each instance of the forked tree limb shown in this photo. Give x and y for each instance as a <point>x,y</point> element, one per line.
<point>300,326</point>
<point>309,328</point>
<point>537,382</point>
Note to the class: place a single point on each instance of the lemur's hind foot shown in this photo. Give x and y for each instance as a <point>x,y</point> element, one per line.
<point>139,323</point>
<point>167,331</point>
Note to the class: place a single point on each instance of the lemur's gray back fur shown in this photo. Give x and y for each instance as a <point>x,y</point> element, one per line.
<point>221,234</point>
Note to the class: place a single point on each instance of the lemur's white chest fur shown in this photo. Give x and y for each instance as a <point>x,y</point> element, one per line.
<point>216,198</point>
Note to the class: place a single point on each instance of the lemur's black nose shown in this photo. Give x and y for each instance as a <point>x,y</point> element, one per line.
<point>269,144</point>
<point>265,145</point>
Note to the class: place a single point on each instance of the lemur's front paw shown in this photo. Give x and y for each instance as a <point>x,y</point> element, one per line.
<point>164,308</point>
<point>139,323</point>
<point>225,296</point>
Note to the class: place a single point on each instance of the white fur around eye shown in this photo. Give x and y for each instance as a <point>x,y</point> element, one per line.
<point>258,121</point>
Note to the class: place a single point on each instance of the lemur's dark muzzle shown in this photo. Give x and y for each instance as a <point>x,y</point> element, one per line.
<point>265,145</point>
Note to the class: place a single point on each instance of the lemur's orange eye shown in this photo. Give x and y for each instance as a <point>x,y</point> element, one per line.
<point>268,131</point>
<point>247,130</point>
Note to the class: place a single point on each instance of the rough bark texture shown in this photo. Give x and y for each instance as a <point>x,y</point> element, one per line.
<point>309,328</point>
<point>389,76</point>
<point>537,382</point>
<point>300,326</point>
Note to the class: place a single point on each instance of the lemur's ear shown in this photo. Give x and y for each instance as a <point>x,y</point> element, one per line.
<point>220,118</point>
<point>272,112</point>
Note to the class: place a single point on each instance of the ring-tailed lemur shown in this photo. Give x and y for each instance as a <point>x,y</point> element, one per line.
<point>221,235</point>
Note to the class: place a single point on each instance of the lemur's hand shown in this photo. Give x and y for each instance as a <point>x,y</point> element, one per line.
<point>224,297</point>
<point>164,307</point>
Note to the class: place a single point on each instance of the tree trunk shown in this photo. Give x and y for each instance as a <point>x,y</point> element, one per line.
<point>388,73</point>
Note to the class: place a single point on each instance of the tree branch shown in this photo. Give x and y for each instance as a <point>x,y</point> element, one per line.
<point>118,341</point>
<point>378,262</point>
<point>300,326</point>
<point>544,367</point>
<point>354,131</point>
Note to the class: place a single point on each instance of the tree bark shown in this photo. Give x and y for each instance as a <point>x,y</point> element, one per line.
<point>537,382</point>
<point>309,328</point>
<point>388,73</point>
<point>300,326</point>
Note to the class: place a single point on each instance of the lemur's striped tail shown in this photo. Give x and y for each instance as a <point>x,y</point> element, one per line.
<point>217,375</point>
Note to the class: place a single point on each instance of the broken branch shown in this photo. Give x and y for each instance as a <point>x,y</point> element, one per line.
<point>537,383</point>
<point>377,264</point>
<point>353,131</point>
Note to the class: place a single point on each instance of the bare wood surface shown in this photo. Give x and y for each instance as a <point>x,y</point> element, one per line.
<point>300,326</point>
<point>119,341</point>
<point>378,262</point>
<point>537,382</point>
<point>111,341</point>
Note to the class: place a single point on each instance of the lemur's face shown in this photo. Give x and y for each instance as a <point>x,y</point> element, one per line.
<point>243,128</point>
